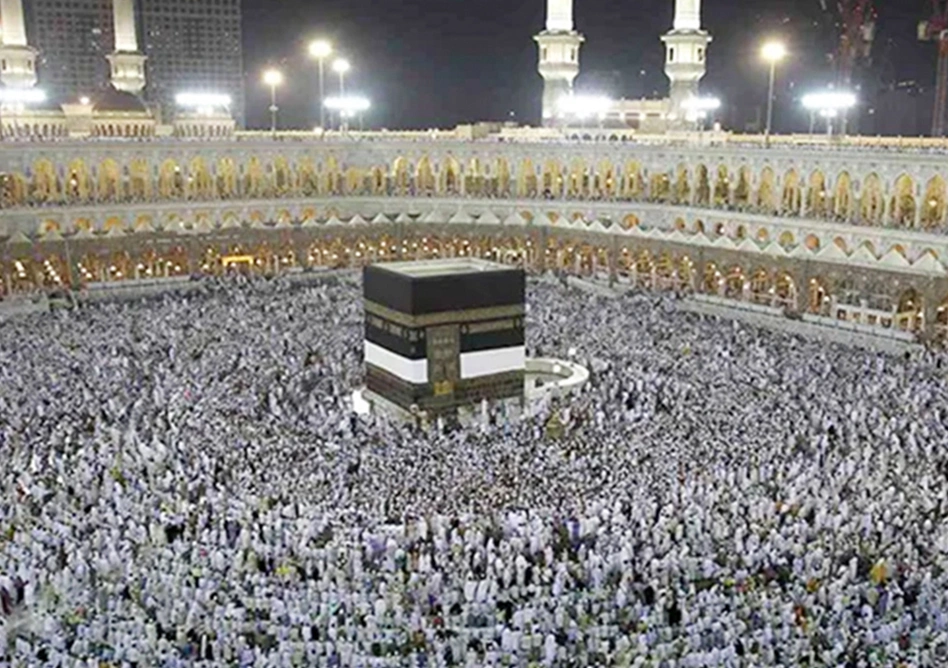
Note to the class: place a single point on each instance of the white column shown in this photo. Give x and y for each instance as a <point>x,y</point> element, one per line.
<point>687,15</point>
<point>126,39</point>
<point>11,18</point>
<point>559,15</point>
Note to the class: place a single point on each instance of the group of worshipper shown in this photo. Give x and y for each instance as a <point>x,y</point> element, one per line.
<point>187,485</point>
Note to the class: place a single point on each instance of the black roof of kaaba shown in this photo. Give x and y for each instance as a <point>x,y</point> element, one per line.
<point>419,288</point>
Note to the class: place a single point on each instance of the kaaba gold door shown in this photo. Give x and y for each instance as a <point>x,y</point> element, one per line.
<point>444,355</point>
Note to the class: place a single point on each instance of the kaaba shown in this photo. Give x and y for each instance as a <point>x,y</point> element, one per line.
<point>444,335</point>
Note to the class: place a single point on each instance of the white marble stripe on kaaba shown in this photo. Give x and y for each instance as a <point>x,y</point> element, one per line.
<point>413,371</point>
<point>489,362</point>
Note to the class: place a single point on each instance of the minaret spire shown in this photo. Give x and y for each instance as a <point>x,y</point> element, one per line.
<point>128,64</point>
<point>19,58</point>
<point>686,48</point>
<point>559,56</point>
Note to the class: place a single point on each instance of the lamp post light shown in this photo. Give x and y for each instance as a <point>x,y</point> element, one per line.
<point>341,66</point>
<point>320,50</point>
<point>273,78</point>
<point>347,107</point>
<point>773,53</point>
<point>15,100</point>
<point>830,105</point>
<point>697,110</point>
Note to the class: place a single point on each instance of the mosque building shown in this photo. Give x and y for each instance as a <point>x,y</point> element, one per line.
<point>686,47</point>
<point>117,111</point>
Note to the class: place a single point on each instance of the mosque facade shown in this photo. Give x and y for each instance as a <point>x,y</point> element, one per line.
<point>841,230</point>
<point>686,49</point>
<point>118,111</point>
<point>850,234</point>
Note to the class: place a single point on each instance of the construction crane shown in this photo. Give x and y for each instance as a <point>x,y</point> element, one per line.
<point>856,22</point>
<point>935,30</point>
<point>858,19</point>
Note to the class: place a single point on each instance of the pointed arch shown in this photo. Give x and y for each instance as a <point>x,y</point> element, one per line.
<point>170,181</point>
<point>904,206</point>
<point>872,201</point>
<point>682,191</point>
<point>109,184</point>
<point>722,187</point>
<point>790,201</point>
<point>424,176</point>
<point>934,203</point>
<point>633,184</point>
<point>703,186</point>
<point>767,191</point>
<point>843,197</point>
<point>817,196</point>
<point>45,185</point>
<point>742,191</point>
<point>78,181</point>
<point>200,183</point>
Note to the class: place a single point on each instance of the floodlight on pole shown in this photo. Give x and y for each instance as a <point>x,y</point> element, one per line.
<point>18,98</point>
<point>341,66</point>
<point>348,106</point>
<point>202,100</point>
<point>273,78</point>
<point>584,106</point>
<point>773,53</point>
<point>698,108</point>
<point>830,105</point>
<point>321,49</point>
<point>22,95</point>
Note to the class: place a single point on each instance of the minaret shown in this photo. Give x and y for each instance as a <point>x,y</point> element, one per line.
<point>128,64</point>
<point>19,59</point>
<point>559,56</point>
<point>686,48</point>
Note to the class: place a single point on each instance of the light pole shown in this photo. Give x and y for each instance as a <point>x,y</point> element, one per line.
<point>320,50</point>
<point>340,66</point>
<point>773,53</point>
<point>830,105</point>
<point>273,78</point>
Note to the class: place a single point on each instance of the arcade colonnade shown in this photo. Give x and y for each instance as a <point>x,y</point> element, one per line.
<point>901,192</point>
<point>851,235</point>
<point>888,298</point>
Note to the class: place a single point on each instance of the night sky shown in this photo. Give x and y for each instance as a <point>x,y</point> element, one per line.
<point>437,63</point>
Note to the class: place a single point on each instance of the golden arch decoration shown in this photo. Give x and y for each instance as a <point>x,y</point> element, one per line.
<point>78,181</point>
<point>633,181</point>
<point>45,185</point>
<point>903,202</point>
<point>791,200</point>
<point>871,201</point>
<point>742,191</point>
<point>682,191</point>
<point>702,187</point>
<point>934,203</point>
<point>170,181</point>
<point>110,187</point>
<point>200,183</point>
<point>767,191</point>
<point>816,198</point>
<point>843,198</point>
<point>424,176</point>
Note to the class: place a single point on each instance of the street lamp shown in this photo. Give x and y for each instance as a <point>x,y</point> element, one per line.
<point>16,99</point>
<point>320,50</point>
<point>348,106</point>
<point>697,109</point>
<point>830,105</point>
<point>273,78</point>
<point>773,53</point>
<point>340,66</point>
